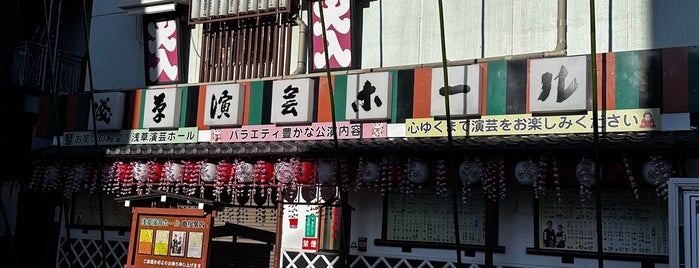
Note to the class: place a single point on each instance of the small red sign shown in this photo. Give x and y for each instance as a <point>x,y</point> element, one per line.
<point>309,243</point>
<point>293,223</point>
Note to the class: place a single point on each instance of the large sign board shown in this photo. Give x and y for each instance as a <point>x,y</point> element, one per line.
<point>629,225</point>
<point>164,237</point>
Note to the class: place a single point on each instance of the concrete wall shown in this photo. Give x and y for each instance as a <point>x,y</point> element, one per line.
<point>397,33</point>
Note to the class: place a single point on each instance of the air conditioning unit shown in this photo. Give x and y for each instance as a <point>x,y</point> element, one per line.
<point>252,6</point>
<point>196,13</point>
<point>232,7</point>
<point>262,5</point>
<point>242,7</point>
<point>223,8</point>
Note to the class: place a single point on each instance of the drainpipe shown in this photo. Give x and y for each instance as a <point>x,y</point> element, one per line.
<point>301,63</point>
<point>560,49</point>
<point>561,45</point>
<point>562,20</point>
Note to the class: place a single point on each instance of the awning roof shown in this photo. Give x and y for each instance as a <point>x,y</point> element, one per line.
<point>629,140</point>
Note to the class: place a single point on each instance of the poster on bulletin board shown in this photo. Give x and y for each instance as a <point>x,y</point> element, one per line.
<point>629,225</point>
<point>427,217</point>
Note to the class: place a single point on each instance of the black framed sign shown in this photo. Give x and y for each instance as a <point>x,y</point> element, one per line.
<point>428,217</point>
<point>163,47</point>
<point>86,211</point>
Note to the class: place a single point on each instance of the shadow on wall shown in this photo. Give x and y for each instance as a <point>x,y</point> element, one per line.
<point>674,23</point>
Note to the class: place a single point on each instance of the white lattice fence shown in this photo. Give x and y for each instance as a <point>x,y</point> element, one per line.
<point>312,260</point>
<point>86,252</point>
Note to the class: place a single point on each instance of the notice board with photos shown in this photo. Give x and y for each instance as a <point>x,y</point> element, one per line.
<point>168,237</point>
<point>630,225</point>
<point>428,217</point>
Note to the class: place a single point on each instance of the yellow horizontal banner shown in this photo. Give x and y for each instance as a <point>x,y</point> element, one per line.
<point>428,127</point>
<point>526,124</point>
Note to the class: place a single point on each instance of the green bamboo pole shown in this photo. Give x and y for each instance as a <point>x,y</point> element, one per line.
<point>344,213</point>
<point>595,137</point>
<point>450,150</point>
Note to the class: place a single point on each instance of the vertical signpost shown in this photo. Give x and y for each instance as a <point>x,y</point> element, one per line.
<point>165,237</point>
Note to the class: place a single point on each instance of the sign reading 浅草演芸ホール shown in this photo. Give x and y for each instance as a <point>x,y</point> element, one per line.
<point>133,136</point>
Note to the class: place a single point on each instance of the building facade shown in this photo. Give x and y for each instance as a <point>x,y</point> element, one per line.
<point>231,101</point>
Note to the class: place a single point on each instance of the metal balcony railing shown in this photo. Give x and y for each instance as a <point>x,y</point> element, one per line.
<point>31,69</point>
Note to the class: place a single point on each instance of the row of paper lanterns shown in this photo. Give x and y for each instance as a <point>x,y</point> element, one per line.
<point>244,172</point>
<point>241,172</point>
<point>527,172</point>
<point>470,172</point>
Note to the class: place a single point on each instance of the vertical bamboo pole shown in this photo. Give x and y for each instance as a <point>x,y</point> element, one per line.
<point>344,212</point>
<point>450,144</point>
<point>595,137</point>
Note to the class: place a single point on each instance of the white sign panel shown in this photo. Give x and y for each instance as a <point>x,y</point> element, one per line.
<point>369,96</point>
<point>294,226</point>
<point>224,105</point>
<point>558,84</point>
<point>161,108</point>
<point>292,101</point>
<point>109,108</point>
<point>464,91</point>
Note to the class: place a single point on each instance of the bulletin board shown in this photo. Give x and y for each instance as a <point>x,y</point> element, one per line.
<point>86,209</point>
<point>629,225</point>
<point>428,217</point>
<point>165,237</point>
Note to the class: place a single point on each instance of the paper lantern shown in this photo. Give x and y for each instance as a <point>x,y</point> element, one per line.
<point>190,172</point>
<point>527,172</point>
<point>243,172</point>
<point>264,173</point>
<point>585,172</point>
<point>173,172</point>
<point>208,172</point>
<point>470,172</point>
<point>306,175</point>
<point>369,172</point>
<point>124,172</point>
<point>657,173</point>
<point>325,172</point>
<point>418,172</point>
<point>284,172</point>
<point>140,171</point>
<point>224,170</point>
<point>155,171</point>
